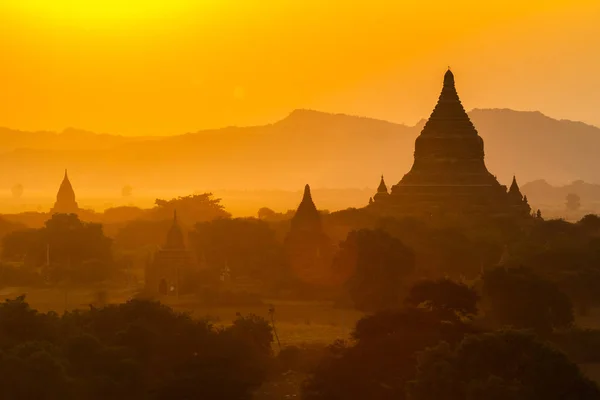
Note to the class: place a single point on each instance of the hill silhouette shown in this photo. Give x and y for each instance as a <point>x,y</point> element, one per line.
<point>327,150</point>
<point>541,192</point>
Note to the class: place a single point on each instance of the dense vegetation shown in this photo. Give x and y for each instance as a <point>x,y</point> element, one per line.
<point>455,309</point>
<point>136,350</point>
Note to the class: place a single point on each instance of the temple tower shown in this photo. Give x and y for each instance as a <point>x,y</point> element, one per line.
<point>307,247</point>
<point>171,271</point>
<point>448,176</point>
<point>518,202</point>
<point>65,198</point>
<point>175,239</point>
<point>307,217</point>
<point>382,191</point>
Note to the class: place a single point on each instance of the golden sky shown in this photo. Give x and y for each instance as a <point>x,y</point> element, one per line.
<point>139,67</point>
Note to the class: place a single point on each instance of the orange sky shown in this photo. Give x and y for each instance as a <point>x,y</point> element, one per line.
<point>140,67</point>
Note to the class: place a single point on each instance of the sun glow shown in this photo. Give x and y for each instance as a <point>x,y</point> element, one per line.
<point>100,12</point>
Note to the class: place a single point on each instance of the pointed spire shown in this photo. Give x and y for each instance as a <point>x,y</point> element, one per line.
<point>65,198</point>
<point>175,236</point>
<point>449,78</point>
<point>382,187</point>
<point>307,204</point>
<point>514,192</point>
<point>307,196</point>
<point>514,187</point>
<point>307,214</point>
<point>449,117</point>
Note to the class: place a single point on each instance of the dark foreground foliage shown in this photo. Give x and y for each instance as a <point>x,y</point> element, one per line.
<point>435,350</point>
<point>501,365</point>
<point>135,350</point>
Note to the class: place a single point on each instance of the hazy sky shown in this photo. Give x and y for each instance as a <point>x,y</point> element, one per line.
<point>166,67</point>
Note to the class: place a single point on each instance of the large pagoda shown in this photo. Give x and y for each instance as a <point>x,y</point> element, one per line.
<point>449,176</point>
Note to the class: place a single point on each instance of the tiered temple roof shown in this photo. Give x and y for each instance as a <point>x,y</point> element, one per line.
<point>448,175</point>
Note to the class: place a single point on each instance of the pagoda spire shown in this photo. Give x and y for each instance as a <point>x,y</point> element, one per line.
<point>382,186</point>
<point>65,198</point>
<point>175,236</point>
<point>307,197</point>
<point>307,205</point>
<point>382,191</point>
<point>514,188</point>
<point>449,78</point>
<point>307,214</point>
<point>449,116</point>
<point>514,193</point>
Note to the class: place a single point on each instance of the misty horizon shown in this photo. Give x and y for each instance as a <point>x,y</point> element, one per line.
<point>67,130</point>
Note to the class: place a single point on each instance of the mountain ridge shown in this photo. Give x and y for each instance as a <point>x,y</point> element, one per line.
<point>307,146</point>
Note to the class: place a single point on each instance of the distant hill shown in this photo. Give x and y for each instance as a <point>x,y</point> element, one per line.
<point>326,150</point>
<point>552,199</point>
<point>68,139</point>
<point>541,192</point>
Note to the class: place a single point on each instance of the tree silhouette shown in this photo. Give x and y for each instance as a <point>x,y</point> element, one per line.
<point>520,299</point>
<point>376,264</point>
<point>499,366</point>
<point>382,359</point>
<point>66,245</point>
<point>444,296</point>
<point>191,209</point>
<point>247,246</point>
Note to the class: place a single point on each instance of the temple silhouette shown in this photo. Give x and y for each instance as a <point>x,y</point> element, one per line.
<point>307,246</point>
<point>65,198</point>
<point>449,176</point>
<point>171,266</point>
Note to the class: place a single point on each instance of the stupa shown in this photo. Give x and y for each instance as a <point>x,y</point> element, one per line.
<point>65,198</point>
<point>449,175</point>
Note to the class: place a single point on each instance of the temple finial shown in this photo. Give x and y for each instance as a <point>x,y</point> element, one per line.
<point>307,194</point>
<point>449,78</point>
<point>175,216</point>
